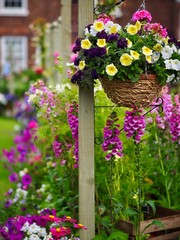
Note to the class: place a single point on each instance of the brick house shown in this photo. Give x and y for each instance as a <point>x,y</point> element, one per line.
<point>15,34</point>
<point>17,15</point>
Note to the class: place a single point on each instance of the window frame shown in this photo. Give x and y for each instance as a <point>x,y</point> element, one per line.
<point>14,11</point>
<point>24,53</point>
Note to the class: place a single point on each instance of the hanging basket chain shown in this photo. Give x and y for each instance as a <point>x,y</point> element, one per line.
<point>143,5</point>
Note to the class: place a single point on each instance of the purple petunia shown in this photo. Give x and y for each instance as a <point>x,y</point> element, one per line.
<point>26,179</point>
<point>13,177</point>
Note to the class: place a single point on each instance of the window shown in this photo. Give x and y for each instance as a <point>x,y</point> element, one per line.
<point>14,7</point>
<point>14,53</point>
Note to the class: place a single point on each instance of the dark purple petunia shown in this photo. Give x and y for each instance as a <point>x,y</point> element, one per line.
<point>96,52</point>
<point>76,61</point>
<point>175,41</point>
<point>112,37</point>
<point>122,43</point>
<point>102,35</point>
<point>26,179</point>
<point>94,74</point>
<point>13,177</point>
<point>76,78</point>
<point>77,46</point>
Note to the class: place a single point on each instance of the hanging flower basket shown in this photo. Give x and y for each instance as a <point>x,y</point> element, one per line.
<point>109,52</point>
<point>129,94</point>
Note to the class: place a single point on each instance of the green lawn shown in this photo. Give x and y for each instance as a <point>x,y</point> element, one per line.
<point>6,141</point>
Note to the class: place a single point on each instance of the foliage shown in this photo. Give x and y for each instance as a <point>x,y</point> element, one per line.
<point>111,51</point>
<point>47,176</point>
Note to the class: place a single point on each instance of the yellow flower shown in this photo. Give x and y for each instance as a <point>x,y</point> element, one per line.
<point>98,26</point>
<point>86,44</point>
<point>157,47</point>
<point>129,43</point>
<point>101,42</point>
<point>146,51</point>
<point>126,59</point>
<point>166,40</point>
<point>132,29</point>
<point>113,29</point>
<point>138,25</point>
<point>111,70</point>
<point>134,54</point>
<point>149,59</point>
<point>82,65</point>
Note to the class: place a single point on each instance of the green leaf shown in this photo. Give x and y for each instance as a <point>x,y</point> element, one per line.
<point>152,205</point>
<point>100,237</point>
<point>156,223</point>
<point>118,235</point>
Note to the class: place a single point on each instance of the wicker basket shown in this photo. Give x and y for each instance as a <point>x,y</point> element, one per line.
<point>128,94</point>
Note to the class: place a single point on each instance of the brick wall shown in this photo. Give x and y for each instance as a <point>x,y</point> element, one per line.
<point>47,9</point>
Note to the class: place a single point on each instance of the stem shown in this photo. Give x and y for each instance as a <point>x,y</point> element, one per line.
<point>163,171</point>
<point>139,179</point>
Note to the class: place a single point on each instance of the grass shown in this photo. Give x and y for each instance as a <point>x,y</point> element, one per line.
<point>6,141</point>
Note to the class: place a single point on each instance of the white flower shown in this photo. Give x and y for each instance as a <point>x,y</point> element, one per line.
<point>49,198</point>
<point>20,193</point>
<point>42,232</point>
<point>34,237</point>
<point>176,64</point>
<point>155,56</point>
<point>168,64</point>
<point>167,52</point>
<point>170,78</point>
<point>25,227</point>
<point>21,173</point>
<point>62,87</point>
<point>38,92</point>
<point>3,99</point>
<point>33,228</point>
<point>93,32</point>
<point>31,98</point>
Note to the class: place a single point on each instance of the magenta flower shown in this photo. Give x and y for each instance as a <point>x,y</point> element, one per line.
<point>156,28</point>
<point>142,15</point>
<point>112,144</point>
<point>13,177</point>
<point>134,125</point>
<point>26,179</point>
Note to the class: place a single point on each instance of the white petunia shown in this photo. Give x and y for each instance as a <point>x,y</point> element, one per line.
<point>108,26</point>
<point>25,226</point>
<point>168,64</point>
<point>176,64</point>
<point>33,228</point>
<point>93,32</point>
<point>34,237</point>
<point>170,78</point>
<point>42,232</point>
<point>167,52</point>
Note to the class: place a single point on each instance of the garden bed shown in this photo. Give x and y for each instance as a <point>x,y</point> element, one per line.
<point>168,217</point>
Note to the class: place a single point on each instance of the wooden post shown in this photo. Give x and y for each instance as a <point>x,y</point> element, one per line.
<point>66,34</point>
<point>86,139</point>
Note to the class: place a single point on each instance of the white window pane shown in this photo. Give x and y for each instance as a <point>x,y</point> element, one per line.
<point>14,51</point>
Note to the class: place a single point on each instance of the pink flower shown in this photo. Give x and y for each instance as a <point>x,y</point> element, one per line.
<point>105,18</point>
<point>142,15</point>
<point>156,28</point>
<point>32,124</point>
<point>60,232</point>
